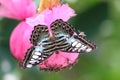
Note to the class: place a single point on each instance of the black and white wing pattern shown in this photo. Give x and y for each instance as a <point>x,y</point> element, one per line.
<point>64,39</point>
<point>36,54</point>
<point>80,44</point>
<point>72,42</point>
<point>61,32</point>
<point>39,34</point>
<point>61,27</point>
<point>33,57</point>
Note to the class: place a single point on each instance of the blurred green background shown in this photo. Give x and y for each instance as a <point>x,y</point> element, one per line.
<point>100,20</point>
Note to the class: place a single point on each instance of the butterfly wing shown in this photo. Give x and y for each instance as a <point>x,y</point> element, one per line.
<point>34,56</point>
<point>63,39</point>
<point>39,33</point>
<point>61,31</point>
<point>80,44</point>
<point>72,43</point>
<point>61,27</point>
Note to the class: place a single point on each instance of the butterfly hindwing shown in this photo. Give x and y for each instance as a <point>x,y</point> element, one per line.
<point>34,56</point>
<point>80,44</point>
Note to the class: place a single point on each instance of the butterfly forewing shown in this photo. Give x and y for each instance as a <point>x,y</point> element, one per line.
<point>39,33</point>
<point>61,31</point>
<point>61,27</point>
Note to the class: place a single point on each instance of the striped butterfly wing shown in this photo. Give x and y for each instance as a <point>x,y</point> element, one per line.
<point>61,32</point>
<point>39,34</point>
<point>72,43</point>
<point>33,57</point>
<point>80,44</point>
<point>61,27</point>
<point>36,54</point>
<point>63,39</point>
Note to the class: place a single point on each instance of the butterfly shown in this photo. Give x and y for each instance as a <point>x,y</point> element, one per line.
<point>64,38</point>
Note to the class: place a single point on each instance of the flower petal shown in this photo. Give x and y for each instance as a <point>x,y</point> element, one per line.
<point>37,19</point>
<point>19,40</point>
<point>63,12</point>
<point>17,9</point>
<point>59,61</point>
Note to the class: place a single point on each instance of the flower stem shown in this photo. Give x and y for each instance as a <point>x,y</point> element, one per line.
<point>44,4</point>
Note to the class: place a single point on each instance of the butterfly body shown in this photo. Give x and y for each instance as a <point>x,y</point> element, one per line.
<point>63,39</point>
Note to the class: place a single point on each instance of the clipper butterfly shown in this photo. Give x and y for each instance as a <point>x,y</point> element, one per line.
<point>64,39</point>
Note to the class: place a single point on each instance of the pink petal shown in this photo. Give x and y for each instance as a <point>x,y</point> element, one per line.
<point>59,61</point>
<point>17,9</point>
<point>35,20</point>
<point>63,12</point>
<point>19,40</point>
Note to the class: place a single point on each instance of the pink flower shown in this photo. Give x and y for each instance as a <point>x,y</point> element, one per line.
<point>20,10</point>
<point>17,9</point>
<point>59,61</point>
<point>19,40</point>
<point>63,12</point>
<point>62,59</point>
